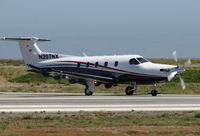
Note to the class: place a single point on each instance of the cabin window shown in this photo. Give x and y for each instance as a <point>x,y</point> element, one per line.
<point>142,60</point>
<point>87,64</point>
<point>106,64</point>
<point>116,63</point>
<point>78,65</point>
<point>96,64</point>
<point>133,61</point>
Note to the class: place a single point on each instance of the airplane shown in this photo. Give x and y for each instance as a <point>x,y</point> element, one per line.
<point>92,71</point>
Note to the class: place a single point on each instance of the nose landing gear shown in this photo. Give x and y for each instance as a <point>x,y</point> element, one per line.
<point>154,91</point>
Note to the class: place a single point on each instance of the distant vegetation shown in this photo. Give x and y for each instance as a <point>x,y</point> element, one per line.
<point>11,62</point>
<point>39,83</point>
<point>172,62</point>
<point>190,76</point>
<point>19,80</point>
<point>164,61</point>
<point>37,78</point>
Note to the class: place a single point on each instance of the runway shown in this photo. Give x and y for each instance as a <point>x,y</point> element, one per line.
<point>68,102</point>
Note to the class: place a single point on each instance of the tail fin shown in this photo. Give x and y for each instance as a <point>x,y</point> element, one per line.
<point>29,49</point>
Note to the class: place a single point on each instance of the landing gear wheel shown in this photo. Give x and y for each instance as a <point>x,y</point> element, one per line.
<point>87,91</point>
<point>108,85</point>
<point>154,92</point>
<point>129,90</point>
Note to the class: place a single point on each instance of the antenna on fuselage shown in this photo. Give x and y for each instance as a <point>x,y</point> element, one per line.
<point>84,54</point>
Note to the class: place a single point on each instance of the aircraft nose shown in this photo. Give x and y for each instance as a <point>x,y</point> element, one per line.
<point>180,69</point>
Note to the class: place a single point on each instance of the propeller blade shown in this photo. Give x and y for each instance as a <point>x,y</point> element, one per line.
<point>187,63</point>
<point>182,82</point>
<point>175,57</point>
<point>172,75</point>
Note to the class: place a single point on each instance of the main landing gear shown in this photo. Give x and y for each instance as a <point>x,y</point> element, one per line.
<point>89,87</point>
<point>131,89</point>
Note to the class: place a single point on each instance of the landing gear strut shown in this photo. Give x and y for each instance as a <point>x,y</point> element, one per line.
<point>131,89</point>
<point>89,88</point>
<point>154,91</point>
<point>87,91</point>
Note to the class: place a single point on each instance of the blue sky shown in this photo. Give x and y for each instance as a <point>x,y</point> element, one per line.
<point>152,28</point>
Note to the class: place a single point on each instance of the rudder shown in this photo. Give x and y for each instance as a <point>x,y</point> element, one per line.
<point>29,49</point>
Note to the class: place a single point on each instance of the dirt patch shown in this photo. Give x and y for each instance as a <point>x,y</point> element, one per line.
<point>107,131</point>
<point>100,124</point>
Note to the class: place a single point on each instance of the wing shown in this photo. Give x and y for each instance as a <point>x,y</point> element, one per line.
<point>52,72</point>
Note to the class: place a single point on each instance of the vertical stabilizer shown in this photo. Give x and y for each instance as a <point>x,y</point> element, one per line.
<point>29,49</point>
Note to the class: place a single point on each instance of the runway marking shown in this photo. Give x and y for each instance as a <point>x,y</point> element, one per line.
<point>101,109</point>
<point>90,108</point>
<point>86,106</point>
<point>94,98</point>
<point>51,102</point>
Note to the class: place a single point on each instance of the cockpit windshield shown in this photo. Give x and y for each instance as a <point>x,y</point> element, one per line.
<point>142,60</point>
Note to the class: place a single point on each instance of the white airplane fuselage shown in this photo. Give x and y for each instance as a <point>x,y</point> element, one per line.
<point>94,70</point>
<point>115,68</point>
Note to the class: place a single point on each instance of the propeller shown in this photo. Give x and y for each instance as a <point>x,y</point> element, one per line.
<point>178,71</point>
<point>182,82</point>
<point>187,63</point>
<point>175,57</point>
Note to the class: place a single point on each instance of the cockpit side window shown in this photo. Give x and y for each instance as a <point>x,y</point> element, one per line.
<point>142,60</point>
<point>133,61</point>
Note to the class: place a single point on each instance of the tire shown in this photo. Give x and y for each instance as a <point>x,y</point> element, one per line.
<point>97,84</point>
<point>88,92</point>
<point>108,85</point>
<point>129,90</point>
<point>154,92</point>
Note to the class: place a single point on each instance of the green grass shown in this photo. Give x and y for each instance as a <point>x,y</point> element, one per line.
<point>3,126</point>
<point>105,119</point>
<point>11,72</point>
<point>27,117</point>
<point>95,121</point>
<point>39,83</point>
<point>190,76</point>
<point>197,115</point>
<point>13,134</point>
<point>37,79</point>
<point>9,62</point>
<point>163,61</point>
<point>172,62</point>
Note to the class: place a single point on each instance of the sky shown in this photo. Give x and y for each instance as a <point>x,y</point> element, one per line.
<point>151,28</point>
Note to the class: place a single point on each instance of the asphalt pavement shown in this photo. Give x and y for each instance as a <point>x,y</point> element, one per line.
<point>76,102</point>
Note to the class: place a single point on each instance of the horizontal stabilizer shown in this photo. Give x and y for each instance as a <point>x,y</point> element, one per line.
<point>35,39</point>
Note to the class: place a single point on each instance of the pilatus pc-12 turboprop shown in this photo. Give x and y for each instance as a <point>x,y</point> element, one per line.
<point>92,71</point>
